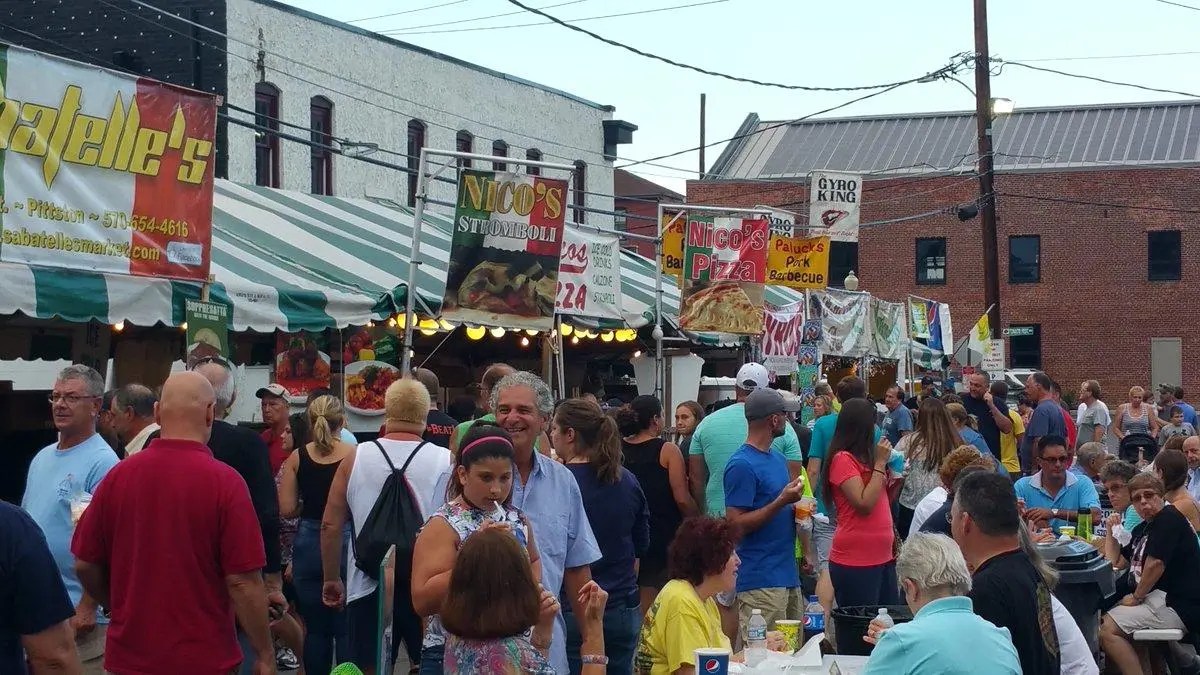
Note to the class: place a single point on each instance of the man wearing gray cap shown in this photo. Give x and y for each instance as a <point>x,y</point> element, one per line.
<point>759,494</point>
<point>720,434</point>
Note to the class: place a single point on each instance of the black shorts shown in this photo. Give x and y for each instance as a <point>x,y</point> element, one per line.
<point>362,623</point>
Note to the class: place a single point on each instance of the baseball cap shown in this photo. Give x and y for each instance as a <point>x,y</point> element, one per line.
<point>752,376</point>
<point>764,402</point>
<point>1164,388</point>
<point>273,390</point>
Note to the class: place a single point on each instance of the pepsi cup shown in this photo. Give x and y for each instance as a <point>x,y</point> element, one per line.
<point>712,661</point>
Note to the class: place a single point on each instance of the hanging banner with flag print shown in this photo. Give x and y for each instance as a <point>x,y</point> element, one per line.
<point>888,339</point>
<point>782,329</point>
<point>589,274</point>
<point>724,266</point>
<point>833,200</point>
<point>934,321</point>
<point>505,250</point>
<point>845,323</point>
<point>102,171</point>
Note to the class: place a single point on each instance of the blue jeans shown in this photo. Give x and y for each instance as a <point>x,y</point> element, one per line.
<point>864,586</point>
<point>325,628</point>
<point>622,626</point>
<point>432,660</point>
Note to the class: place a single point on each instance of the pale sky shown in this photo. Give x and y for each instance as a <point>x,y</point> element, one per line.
<point>807,42</point>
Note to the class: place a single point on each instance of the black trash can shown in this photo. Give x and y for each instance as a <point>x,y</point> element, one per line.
<point>850,625</point>
<point>1085,578</point>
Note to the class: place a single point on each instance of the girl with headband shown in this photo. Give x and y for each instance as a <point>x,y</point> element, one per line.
<point>478,497</point>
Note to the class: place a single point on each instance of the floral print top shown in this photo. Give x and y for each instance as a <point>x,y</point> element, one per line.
<point>506,656</point>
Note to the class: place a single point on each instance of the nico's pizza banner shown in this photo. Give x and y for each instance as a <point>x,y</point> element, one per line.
<point>724,267</point>
<point>103,171</point>
<point>798,262</point>
<point>589,274</point>
<point>504,255</point>
<point>833,200</point>
<point>672,243</point>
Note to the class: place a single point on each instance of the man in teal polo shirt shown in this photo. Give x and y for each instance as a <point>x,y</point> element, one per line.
<point>1054,496</point>
<point>722,433</point>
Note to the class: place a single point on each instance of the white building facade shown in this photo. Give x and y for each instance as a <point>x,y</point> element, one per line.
<point>306,70</point>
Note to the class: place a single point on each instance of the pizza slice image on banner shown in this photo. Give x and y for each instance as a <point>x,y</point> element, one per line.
<point>724,268</point>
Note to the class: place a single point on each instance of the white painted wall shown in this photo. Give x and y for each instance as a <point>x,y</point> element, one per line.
<point>563,128</point>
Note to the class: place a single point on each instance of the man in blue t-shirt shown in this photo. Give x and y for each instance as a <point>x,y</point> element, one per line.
<point>898,422</point>
<point>34,607</point>
<point>1047,418</point>
<point>759,494</point>
<point>62,477</point>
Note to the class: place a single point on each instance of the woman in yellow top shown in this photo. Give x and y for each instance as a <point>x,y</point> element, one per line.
<point>702,562</point>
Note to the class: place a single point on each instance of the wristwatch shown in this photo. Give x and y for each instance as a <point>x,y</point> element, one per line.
<point>1054,512</point>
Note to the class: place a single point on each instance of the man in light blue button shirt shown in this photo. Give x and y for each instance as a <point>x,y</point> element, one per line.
<point>1191,449</point>
<point>548,494</point>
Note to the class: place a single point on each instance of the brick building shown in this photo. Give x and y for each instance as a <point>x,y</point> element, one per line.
<point>1097,226</point>
<point>637,201</point>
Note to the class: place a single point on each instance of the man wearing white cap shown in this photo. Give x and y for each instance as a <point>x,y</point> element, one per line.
<point>722,433</point>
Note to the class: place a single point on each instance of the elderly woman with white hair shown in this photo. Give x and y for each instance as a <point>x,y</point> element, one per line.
<point>945,635</point>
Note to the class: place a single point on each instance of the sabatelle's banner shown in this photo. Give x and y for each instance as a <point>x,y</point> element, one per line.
<point>798,262</point>
<point>589,274</point>
<point>505,250</point>
<point>833,204</point>
<point>103,171</point>
<point>724,267</point>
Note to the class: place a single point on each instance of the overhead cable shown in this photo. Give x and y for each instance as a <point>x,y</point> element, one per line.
<point>654,10</point>
<point>408,11</point>
<point>1004,62</point>
<point>398,31</point>
<point>704,71</point>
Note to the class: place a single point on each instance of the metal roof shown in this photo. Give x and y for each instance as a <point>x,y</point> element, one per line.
<point>1034,139</point>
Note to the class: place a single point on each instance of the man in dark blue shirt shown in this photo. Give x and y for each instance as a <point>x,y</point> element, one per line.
<point>34,606</point>
<point>1047,418</point>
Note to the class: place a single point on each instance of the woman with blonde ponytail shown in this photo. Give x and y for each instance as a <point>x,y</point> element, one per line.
<point>303,490</point>
<point>589,443</point>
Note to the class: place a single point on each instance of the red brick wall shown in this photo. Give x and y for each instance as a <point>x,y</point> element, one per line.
<point>637,225</point>
<point>1096,308</point>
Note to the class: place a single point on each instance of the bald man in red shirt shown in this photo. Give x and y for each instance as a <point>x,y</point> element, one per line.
<point>171,544</point>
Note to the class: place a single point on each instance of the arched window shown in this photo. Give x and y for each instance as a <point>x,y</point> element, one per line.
<point>266,137</point>
<point>320,113</point>
<point>416,141</point>
<point>500,149</point>
<point>464,142</point>
<point>579,191</point>
<point>535,155</point>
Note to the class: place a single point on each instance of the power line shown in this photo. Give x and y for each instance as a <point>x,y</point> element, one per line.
<point>1004,62</point>
<point>1179,4</point>
<point>408,11</point>
<point>704,71</point>
<point>547,23</point>
<point>1107,57</point>
<point>1080,202</point>
<point>401,31</point>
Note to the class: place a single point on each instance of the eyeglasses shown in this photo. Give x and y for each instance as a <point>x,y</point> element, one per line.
<point>69,399</point>
<point>1143,496</point>
<point>210,359</point>
<point>1055,460</point>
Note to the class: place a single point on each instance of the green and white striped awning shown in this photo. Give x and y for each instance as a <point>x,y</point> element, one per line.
<point>294,261</point>
<point>281,260</point>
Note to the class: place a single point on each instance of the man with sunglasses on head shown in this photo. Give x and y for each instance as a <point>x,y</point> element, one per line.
<point>62,476</point>
<point>1054,496</point>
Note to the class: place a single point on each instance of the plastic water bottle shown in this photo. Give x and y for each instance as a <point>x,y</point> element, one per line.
<point>814,618</point>
<point>883,618</point>
<point>756,638</point>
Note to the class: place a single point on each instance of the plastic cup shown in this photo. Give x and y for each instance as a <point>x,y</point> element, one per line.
<point>791,630</point>
<point>805,508</point>
<point>712,661</point>
<point>1068,530</point>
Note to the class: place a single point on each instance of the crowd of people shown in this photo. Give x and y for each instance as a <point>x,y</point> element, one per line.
<point>541,536</point>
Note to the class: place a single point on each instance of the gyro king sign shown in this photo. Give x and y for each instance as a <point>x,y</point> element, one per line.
<point>103,171</point>
<point>833,201</point>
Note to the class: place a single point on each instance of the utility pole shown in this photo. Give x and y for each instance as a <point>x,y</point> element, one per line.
<point>703,168</point>
<point>987,193</point>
